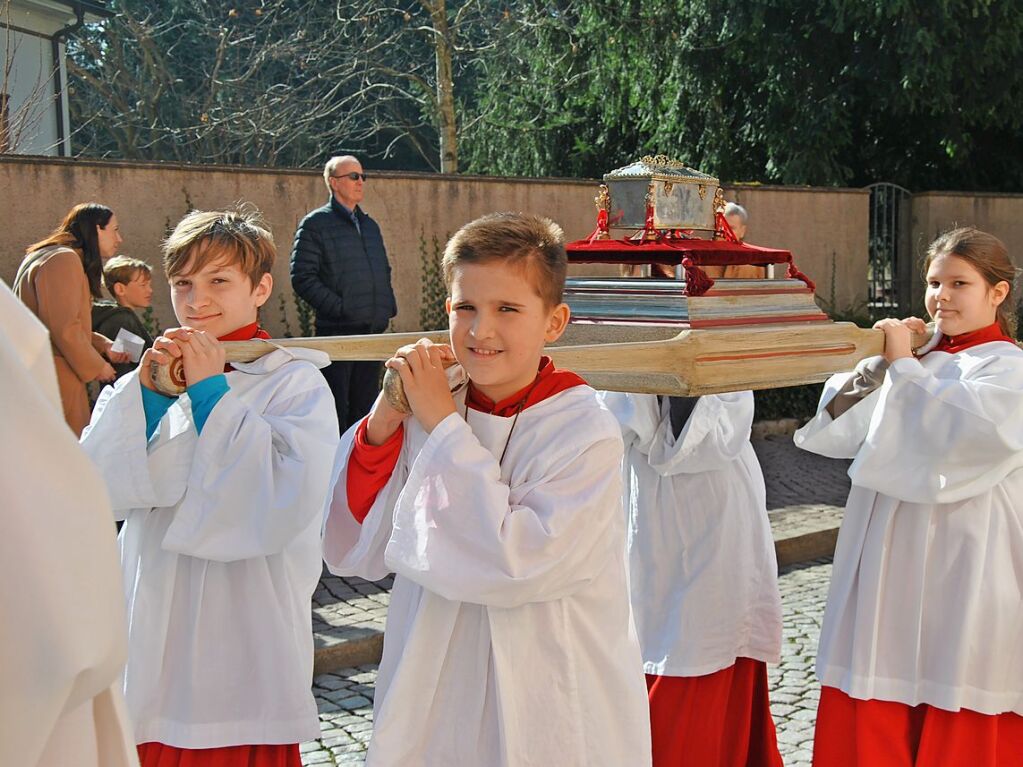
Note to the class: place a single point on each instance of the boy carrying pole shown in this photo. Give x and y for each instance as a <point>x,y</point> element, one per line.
<point>222,491</point>
<point>509,636</point>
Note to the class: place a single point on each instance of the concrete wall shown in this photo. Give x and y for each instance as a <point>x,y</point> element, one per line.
<point>826,230</point>
<point>149,198</point>
<point>935,212</point>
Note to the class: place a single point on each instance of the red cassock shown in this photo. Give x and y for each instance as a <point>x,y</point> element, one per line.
<point>880,733</point>
<point>264,755</point>
<point>721,719</point>
<point>703,577</point>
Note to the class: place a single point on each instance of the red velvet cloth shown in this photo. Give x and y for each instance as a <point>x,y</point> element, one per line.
<point>721,719</point>
<point>879,733</point>
<point>672,251</point>
<point>264,755</point>
<point>370,466</point>
<point>955,344</point>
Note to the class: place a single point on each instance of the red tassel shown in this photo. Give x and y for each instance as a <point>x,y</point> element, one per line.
<point>795,274</point>
<point>697,281</point>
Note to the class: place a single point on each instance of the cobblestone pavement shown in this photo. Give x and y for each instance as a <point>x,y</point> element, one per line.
<point>794,688</point>
<point>347,609</point>
<point>346,708</point>
<point>796,478</point>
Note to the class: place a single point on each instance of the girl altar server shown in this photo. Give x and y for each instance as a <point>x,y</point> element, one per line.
<point>920,651</point>
<point>509,641</point>
<point>703,576</point>
<point>222,490</point>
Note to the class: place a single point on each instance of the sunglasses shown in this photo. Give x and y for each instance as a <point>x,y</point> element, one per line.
<point>353,176</point>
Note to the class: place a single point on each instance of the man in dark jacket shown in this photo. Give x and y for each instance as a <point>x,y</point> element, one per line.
<point>339,266</point>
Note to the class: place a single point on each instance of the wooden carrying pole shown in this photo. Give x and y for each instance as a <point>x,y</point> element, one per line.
<point>686,363</point>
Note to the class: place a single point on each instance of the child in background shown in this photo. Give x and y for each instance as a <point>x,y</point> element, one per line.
<point>920,648</point>
<point>222,491</point>
<point>703,576</point>
<point>129,281</point>
<point>509,639</point>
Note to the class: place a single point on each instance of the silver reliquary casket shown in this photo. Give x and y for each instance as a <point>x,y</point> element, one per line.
<point>677,196</point>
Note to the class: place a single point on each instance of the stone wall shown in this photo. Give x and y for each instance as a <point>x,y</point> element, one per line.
<point>935,212</point>
<point>825,228</point>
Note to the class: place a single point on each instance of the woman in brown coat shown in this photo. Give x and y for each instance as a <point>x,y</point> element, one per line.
<point>57,280</point>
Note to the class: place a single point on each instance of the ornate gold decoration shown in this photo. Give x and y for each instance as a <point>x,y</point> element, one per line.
<point>719,201</point>
<point>649,233</point>
<point>662,161</point>
<point>603,203</point>
<point>702,189</point>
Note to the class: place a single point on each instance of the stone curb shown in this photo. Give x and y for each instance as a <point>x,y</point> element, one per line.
<point>366,650</point>
<point>360,651</point>
<point>782,427</point>
<point>803,548</point>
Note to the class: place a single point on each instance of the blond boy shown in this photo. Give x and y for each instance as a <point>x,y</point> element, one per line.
<point>222,492</point>
<point>509,639</point>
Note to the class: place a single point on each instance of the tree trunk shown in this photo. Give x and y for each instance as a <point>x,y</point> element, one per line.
<point>446,124</point>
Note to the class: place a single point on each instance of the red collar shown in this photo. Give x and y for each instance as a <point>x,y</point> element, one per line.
<point>955,344</point>
<point>548,382</point>
<point>245,333</point>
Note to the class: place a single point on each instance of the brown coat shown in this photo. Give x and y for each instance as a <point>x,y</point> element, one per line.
<point>54,286</point>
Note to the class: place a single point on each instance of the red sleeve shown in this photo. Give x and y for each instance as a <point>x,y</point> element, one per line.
<point>369,468</point>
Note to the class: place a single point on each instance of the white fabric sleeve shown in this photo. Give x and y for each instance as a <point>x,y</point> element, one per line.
<point>258,479</point>
<point>939,440</point>
<point>350,548</point>
<point>837,437</point>
<point>457,533</point>
<point>63,637</point>
<point>115,440</point>
<point>715,434</point>
<point>637,414</point>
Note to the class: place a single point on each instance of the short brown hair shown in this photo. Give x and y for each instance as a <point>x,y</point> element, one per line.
<point>535,242</point>
<point>989,256</point>
<point>120,270</point>
<point>204,236</point>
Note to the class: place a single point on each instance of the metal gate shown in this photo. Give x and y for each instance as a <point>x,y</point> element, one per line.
<point>889,270</point>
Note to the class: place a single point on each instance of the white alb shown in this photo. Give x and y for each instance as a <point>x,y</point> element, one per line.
<point>220,551</point>
<point>703,572</point>
<point>509,640</point>
<point>926,600</point>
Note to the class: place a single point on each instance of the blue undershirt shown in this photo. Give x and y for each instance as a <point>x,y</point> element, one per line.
<point>204,396</point>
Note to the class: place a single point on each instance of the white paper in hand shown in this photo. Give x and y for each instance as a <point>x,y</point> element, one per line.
<point>127,341</point>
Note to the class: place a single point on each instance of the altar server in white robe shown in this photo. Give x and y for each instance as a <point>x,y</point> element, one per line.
<point>920,651</point>
<point>509,640</point>
<point>63,638</point>
<point>222,491</point>
<point>703,576</point>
